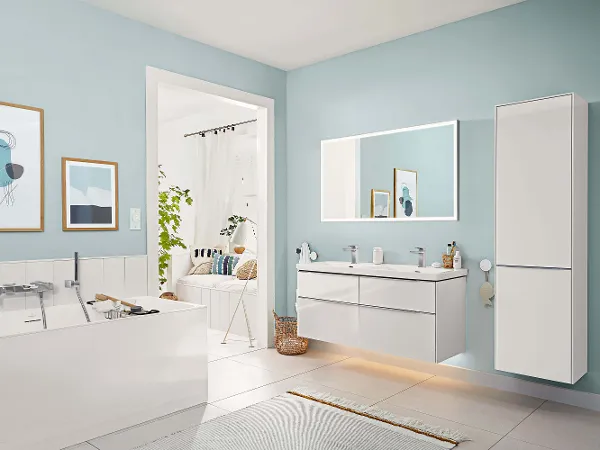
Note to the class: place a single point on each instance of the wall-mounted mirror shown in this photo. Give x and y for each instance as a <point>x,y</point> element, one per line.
<point>406,174</point>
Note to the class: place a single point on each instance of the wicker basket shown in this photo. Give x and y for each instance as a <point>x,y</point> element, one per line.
<point>287,341</point>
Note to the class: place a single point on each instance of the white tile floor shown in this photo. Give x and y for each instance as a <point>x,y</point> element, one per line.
<point>240,376</point>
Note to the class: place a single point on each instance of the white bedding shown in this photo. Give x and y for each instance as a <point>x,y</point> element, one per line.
<point>221,282</point>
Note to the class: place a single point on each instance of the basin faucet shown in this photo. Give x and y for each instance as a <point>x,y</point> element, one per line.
<point>353,249</point>
<point>421,252</point>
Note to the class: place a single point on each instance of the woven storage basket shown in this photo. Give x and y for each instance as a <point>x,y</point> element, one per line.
<point>287,341</point>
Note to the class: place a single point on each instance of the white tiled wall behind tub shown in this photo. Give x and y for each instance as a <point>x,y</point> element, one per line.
<point>119,276</point>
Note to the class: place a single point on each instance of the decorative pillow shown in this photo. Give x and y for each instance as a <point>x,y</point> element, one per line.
<point>224,264</point>
<point>247,270</point>
<point>202,255</point>
<point>244,257</point>
<point>201,269</point>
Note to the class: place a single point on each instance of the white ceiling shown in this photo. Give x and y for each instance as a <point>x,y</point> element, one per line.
<point>292,33</point>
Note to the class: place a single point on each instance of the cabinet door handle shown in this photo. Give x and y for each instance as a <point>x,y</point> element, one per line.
<point>410,311</point>
<point>329,301</point>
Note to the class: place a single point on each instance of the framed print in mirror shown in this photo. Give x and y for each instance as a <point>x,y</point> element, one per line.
<point>380,204</point>
<point>21,168</point>
<point>90,195</point>
<point>405,193</point>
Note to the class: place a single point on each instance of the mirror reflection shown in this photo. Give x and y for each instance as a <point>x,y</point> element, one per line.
<point>407,174</point>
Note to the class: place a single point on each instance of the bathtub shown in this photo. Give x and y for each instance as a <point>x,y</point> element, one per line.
<point>78,380</point>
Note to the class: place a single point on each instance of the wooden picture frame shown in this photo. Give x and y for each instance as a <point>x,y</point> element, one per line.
<point>11,138</point>
<point>374,194</point>
<point>90,195</point>
<point>413,190</point>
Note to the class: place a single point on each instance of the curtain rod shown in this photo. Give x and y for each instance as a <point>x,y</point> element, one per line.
<point>216,130</point>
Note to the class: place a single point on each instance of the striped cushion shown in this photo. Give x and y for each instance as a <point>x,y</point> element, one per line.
<point>202,255</point>
<point>224,264</point>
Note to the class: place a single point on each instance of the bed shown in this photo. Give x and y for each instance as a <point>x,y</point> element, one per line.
<point>220,294</point>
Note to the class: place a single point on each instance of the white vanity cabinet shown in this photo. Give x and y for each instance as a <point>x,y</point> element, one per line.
<point>406,317</point>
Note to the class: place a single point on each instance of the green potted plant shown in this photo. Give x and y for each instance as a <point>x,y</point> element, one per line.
<point>234,221</point>
<point>169,222</point>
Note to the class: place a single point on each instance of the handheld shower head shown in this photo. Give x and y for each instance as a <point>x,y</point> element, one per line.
<point>75,282</point>
<point>76,258</point>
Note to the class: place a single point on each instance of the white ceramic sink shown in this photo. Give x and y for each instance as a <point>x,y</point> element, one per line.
<point>384,270</point>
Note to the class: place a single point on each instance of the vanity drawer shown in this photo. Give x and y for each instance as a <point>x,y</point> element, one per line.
<point>325,286</point>
<point>400,333</point>
<point>328,321</point>
<point>398,294</point>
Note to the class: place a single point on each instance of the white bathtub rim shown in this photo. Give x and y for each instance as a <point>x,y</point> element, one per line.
<point>102,322</point>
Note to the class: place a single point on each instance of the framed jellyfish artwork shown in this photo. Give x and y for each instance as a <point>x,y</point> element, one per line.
<point>405,193</point>
<point>21,168</point>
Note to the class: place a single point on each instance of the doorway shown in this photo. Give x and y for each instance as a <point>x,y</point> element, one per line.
<point>233,106</point>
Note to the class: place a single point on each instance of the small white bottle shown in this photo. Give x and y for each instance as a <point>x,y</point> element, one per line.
<point>457,263</point>
<point>377,255</point>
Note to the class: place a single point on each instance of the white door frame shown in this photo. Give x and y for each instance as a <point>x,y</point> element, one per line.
<point>265,109</point>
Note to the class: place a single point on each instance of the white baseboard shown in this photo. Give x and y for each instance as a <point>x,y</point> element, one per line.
<point>504,383</point>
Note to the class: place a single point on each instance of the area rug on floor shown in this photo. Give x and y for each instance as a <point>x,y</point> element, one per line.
<point>304,419</point>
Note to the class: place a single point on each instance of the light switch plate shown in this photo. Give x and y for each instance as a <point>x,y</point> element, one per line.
<point>135,219</point>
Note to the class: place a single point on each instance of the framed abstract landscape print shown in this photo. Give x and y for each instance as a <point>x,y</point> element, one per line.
<point>90,195</point>
<point>21,168</point>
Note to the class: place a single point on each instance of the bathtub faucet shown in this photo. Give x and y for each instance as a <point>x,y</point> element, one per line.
<point>42,287</point>
<point>36,286</point>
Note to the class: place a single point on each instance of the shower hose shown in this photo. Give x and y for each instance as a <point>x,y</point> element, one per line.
<point>43,309</point>
<point>82,303</point>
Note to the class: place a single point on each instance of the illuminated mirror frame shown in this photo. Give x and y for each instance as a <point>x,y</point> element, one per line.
<point>454,217</point>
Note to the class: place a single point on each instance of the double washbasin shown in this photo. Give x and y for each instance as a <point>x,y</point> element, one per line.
<point>384,270</point>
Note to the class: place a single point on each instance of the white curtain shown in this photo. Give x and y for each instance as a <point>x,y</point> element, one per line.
<point>214,187</point>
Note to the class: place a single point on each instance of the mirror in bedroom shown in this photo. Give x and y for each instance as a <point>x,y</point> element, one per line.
<point>406,174</point>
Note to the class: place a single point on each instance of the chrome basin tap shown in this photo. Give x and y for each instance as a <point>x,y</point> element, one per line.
<point>353,249</point>
<point>421,252</point>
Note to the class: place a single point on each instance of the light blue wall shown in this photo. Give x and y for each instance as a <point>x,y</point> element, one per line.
<point>430,152</point>
<point>86,68</point>
<point>459,71</point>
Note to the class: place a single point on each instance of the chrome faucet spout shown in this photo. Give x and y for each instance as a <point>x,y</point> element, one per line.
<point>353,249</point>
<point>421,252</point>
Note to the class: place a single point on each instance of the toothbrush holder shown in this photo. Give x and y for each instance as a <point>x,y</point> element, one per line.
<point>447,261</point>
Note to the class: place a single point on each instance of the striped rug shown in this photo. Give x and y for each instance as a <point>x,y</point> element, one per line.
<point>308,420</point>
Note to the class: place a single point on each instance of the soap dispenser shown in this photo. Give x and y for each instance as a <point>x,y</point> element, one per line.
<point>377,255</point>
<point>457,263</point>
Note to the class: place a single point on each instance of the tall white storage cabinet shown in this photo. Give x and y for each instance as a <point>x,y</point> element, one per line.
<point>541,238</point>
